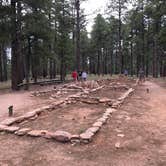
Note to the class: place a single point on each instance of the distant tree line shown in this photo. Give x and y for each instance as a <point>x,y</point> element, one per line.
<point>134,39</point>
<point>49,38</point>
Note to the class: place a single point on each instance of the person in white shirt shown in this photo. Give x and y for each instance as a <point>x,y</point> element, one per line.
<point>84,76</point>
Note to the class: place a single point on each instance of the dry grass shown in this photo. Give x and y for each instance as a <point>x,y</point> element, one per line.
<point>5,85</point>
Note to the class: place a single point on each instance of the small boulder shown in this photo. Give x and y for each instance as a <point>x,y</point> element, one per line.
<point>86,137</point>
<point>62,136</point>
<point>29,114</point>
<point>37,133</point>
<point>23,131</point>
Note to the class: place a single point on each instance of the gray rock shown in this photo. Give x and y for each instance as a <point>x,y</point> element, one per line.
<point>93,130</point>
<point>103,120</point>
<point>23,131</point>
<point>75,139</point>
<point>2,128</point>
<point>29,114</point>
<point>110,110</point>
<point>86,137</point>
<point>121,135</point>
<point>11,129</point>
<point>61,136</point>
<point>117,145</point>
<point>97,124</point>
<point>8,121</point>
<point>37,133</point>
<point>104,100</point>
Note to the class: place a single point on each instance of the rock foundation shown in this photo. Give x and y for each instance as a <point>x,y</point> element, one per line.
<point>63,136</point>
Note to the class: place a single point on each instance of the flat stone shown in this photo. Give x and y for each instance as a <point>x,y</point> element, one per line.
<point>8,121</point>
<point>103,120</point>
<point>2,128</point>
<point>118,130</point>
<point>86,137</point>
<point>89,101</point>
<point>110,110</point>
<point>34,117</point>
<point>23,131</point>
<point>20,119</point>
<point>58,103</point>
<point>37,133</point>
<point>93,130</point>
<point>61,136</point>
<point>48,135</point>
<point>11,129</point>
<point>75,137</point>
<point>104,100</point>
<point>121,135</point>
<point>47,107</point>
<point>97,124</point>
<point>39,110</point>
<point>29,114</point>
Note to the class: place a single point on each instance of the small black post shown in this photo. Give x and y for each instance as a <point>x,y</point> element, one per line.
<point>10,110</point>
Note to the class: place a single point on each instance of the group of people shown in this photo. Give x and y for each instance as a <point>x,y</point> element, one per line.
<point>141,74</point>
<point>81,76</point>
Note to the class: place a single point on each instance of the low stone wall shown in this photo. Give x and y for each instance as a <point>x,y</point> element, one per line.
<point>63,136</point>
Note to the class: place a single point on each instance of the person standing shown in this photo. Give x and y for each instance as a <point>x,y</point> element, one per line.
<point>75,75</point>
<point>126,72</point>
<point>141,75</point>
<point>84,75</point>
<point>80,75</point>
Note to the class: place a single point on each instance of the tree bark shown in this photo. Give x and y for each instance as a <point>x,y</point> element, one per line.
<point>1,71</point>
<point>78,64</point>
<point>15,47</point>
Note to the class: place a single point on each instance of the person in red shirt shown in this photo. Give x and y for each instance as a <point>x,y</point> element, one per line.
<point>74,75</point>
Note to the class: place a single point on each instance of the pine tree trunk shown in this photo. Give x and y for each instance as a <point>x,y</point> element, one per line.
<point>131,59</point>
<point>1,71</point>
<point>27,64</point>
<point>51,69</point>
<point>54,69</point>
<point>120,55</point>
<point>78,35</point>
<point>15,48</point>
<point>62,68</point>
<point>98,63</point>
<point>5,74</point>
<point>155,66</point>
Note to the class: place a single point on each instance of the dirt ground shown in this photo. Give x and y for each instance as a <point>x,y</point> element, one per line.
<point>73,118</point>
<point>138,128</point>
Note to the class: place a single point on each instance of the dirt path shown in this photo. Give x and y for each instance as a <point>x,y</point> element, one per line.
<point>138,128</point>
<point>21,102</point>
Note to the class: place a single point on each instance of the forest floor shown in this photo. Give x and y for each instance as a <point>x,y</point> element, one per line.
<point>138,128</point>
